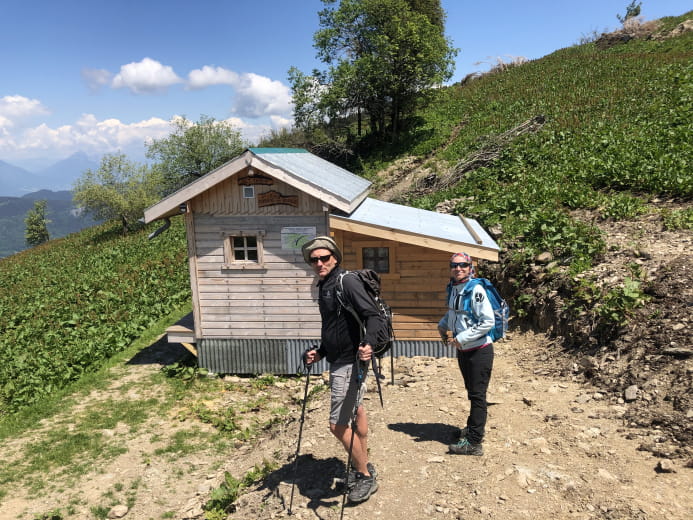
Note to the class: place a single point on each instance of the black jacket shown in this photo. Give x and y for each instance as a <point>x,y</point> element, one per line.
<point>340,330</point>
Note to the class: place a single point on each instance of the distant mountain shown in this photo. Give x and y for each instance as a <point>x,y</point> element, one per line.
<point>63,216</point>
<point>49,195</point>
<point>16,181</point>
<point>63,174</point>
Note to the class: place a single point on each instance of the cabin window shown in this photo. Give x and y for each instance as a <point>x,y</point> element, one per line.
<point>376,258</point>
<point>248,192</point>
<point>379,255</point>
<point>243,250</point>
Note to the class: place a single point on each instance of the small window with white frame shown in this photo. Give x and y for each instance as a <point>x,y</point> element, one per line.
<point>243,250</point>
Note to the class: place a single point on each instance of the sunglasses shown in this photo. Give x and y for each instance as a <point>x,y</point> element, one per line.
<point>323,259</point>
<point>463,265</point>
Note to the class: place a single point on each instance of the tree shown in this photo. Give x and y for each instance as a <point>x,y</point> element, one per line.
<point>37,224</point>
<point>118,190</point>
<point>382,55</point>
<point>632,10</point>
<point>193,149</point>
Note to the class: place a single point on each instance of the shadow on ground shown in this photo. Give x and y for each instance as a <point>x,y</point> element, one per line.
<point>313,478</point>
<point>438,432</point>
<point>161,352</point>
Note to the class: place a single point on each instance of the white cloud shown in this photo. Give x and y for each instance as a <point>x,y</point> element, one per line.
<point>209,76</point>
<point>255,96</point>
<point>146,76</point>
<point>281,122</point>
<point>14,110</point>
<point>258,96</point>
<point>96,78</point>
<point>87,135</point>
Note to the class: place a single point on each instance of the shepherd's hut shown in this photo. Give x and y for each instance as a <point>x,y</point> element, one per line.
<point>254,307</point>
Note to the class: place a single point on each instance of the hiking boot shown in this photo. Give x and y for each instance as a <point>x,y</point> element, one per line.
<point>464,447</point>
<point>363,488</point>
<point>351,477</point>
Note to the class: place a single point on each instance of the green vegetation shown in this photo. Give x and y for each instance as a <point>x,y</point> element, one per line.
<point>37,224</point>
<point>61,219</point>
<point>223,498</point>
<point>382,57</point>
<point>678,219</point>
<point>192,150</point>
<point>81,435</point>
<point>118,190</point>
<point>611,133</point>
<point>70,304</point>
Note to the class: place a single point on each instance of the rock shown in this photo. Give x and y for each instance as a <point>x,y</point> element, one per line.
<point>543,258</point>
<point>496,231</point>
<point>666,466</point>
<point>118,511</point>
<point>631,393</point>
<point>602,473</point>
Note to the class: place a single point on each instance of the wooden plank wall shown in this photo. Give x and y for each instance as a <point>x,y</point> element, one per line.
<point>226,198</point>
<point>277,301</point>
<point>416,288</point>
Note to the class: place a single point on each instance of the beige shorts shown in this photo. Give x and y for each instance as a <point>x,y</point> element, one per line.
<point>344,392</point>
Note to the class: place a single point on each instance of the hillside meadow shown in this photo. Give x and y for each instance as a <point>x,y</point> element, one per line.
<point>615,138</point>
<point>72,303</point>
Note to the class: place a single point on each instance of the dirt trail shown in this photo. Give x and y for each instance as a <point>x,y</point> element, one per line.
<point>554,449</point>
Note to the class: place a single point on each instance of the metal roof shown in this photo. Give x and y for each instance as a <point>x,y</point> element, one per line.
<point>419,222</point>
<point>316,171</point>
<point>297,167</point>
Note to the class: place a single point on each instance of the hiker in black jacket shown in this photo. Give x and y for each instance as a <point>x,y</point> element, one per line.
<point>342,345</point>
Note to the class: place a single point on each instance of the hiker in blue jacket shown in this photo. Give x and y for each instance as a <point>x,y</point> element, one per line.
<point>474,346</point>
<point>342,345</point>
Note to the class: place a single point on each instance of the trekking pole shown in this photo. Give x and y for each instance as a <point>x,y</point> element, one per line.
<point>307,368</point>
<point>361,367</point>
<point>377,373</point>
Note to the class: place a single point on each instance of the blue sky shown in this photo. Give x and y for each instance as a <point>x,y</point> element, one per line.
<point>103,76</point>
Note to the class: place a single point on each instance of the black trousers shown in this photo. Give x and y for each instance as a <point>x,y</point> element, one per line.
<point>476,369</point>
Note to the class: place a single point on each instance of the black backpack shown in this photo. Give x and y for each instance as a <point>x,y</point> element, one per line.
<point>371,281</point>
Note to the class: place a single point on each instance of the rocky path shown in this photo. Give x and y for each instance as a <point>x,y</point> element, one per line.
<point>554,449</point>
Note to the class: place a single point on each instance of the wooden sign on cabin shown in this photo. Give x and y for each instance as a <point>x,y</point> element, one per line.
<point>254,297</point>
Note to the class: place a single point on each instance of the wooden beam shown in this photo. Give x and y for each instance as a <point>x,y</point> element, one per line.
<point>471,230</point>
<point>191,348</point>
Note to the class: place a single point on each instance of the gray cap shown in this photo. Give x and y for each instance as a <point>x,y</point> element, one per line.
<point>321,243</point>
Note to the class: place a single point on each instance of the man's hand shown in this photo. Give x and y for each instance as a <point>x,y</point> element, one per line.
<point>311,356</point>
<point>365,352</point>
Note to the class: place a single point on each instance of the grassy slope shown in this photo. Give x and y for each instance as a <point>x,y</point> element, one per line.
<point>70,304</point>
<point>618,124</point>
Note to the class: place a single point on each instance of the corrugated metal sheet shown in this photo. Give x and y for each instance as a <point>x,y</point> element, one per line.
<point>422,222</point>
<point>283,357</point>
<point>316,171</point>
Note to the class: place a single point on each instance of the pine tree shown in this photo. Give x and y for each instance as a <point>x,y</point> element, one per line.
<point>36,224</point>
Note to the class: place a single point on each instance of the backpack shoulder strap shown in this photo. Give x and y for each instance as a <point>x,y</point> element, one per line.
<point>467,294</point>
<point>342,299</point>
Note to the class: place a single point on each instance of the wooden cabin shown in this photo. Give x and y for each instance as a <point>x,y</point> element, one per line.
<point>254,297</point>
